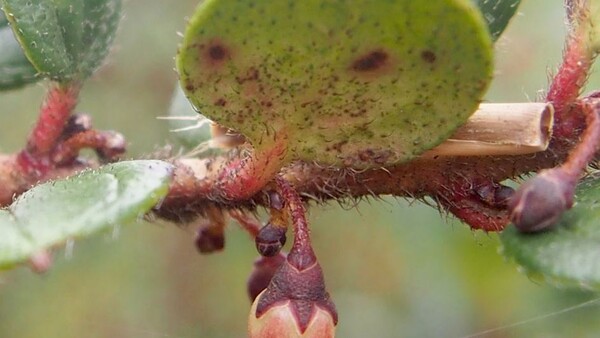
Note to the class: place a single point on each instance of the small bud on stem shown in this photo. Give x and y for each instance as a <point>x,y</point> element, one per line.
<point>270,239</point>
<point>540,202</point>
<point>211,232</point>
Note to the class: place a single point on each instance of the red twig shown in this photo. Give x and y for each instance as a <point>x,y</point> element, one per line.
<point>60,101</point>
<point>301,255</point>
<point>572,74</point>
<point>56,109</point>
<point>109,145</point>
<point>251,225</point>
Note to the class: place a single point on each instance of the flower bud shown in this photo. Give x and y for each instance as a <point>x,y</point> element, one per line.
<point>210,239</point>
<point>270,239</point>
<point>540,202</point>
<point>295,304</point>
<point>280,321</point>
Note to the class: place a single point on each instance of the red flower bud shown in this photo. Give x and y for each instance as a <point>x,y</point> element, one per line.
<point>270,239</point>
<point>540,202</point>
<point>295,304</point>
<point>281,321</point>
<point>210,239</point>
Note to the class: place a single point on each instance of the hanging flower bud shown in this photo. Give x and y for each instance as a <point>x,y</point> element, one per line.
<point>540,202</point>
<point>270,239</point>
<point>280,321</point>
<point>209,240</point>
<point>295,304</point>
<point>210,236</point>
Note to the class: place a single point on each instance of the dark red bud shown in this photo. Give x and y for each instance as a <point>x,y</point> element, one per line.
<point>295,304</point>
<point>209,240</point>
<point>539,203</point>
<point>270,240</point>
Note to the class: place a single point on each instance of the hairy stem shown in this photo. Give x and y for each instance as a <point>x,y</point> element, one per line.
<point>55,111</point>
<point>60,101</point>
<point>572,74</point>
<point>301,255</point>
<point>246,221</point>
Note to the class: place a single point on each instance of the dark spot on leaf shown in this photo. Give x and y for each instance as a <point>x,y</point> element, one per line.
<point>370,62</point>
<point>428,56</point>
<point>217,52</point>
<point>221,102</point>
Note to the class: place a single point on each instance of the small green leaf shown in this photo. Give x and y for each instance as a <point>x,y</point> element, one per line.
<point>568,254</point>
<point>189,127</point>
<point>94,200</point>
<point>15,69</point>
<point>66,40</point>
<point>591,25</point>
<point>497,14</point>
<point>354,83</point>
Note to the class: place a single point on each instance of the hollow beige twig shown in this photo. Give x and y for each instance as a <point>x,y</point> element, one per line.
<point>501,129</point>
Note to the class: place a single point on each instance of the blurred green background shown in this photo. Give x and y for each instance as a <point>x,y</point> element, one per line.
<point>394,269</point>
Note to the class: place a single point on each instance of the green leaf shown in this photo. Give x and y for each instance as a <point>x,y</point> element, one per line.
<point>590,25</point>
<point>497,14</point>
<point>94,200</point>
<point>189,127</point>
<point>355,83</point>
<point>568,254</point>
<point>66,40</point>
<point>15,69</point>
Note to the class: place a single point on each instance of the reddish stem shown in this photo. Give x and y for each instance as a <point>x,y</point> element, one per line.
<point>572,74</point>
<point>301,255</point>
<point>109,145</point>
<point>56,109</point>
<point>251,225</point>
<point>60,101</point>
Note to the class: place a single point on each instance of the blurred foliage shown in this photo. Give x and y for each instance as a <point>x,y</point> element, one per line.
<point>15,70</point>
<point>54,213</point>
<point>394,269</point>
<point>64,40</point>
